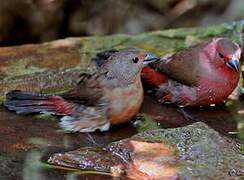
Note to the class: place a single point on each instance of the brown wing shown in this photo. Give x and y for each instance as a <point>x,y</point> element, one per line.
<point>93,106</point>
<point>183,66</point>
<point>88,91</point>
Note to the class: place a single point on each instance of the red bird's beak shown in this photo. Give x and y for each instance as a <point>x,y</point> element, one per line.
<point>234,64</point>
<point>149,58</point>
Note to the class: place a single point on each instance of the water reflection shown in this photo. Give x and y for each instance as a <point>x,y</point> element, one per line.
<point>32,169</point>
<point>27,141</point>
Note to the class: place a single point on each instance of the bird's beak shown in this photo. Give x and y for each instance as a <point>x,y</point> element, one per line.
<point>149,58</point>
<point>234,64</point>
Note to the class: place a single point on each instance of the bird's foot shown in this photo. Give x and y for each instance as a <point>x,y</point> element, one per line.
<point>187,116</point>
<point>90,138</point>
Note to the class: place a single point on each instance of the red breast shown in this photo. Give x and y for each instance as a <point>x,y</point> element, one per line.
<point>216,90</point>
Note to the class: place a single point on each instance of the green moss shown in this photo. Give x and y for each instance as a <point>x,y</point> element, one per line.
<point>55,90</point>
<point>46,117</point>
<point>2,99</point>
<point>21,67</point>
<point>228,103</point>
<point>145,123</point>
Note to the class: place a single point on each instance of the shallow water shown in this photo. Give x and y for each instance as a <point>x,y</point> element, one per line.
<point>27,141</point>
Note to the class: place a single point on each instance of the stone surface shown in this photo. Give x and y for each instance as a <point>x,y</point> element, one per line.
<point>194,151</point>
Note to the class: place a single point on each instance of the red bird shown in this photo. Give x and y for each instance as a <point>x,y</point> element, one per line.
<point>113,95</point>
<point>202,75</point>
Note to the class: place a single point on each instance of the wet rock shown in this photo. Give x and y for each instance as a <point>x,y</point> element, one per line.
<point>99,160</point>
<point>194,151</point>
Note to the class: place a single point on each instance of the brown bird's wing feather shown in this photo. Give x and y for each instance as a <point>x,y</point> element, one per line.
<point>88,90</point>
<point>182,67</point>
<point>92,106</point>
<point>87,118</point>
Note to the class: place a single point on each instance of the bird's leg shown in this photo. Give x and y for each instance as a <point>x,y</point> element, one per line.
<point>91,139</point>
<point>186,115</point>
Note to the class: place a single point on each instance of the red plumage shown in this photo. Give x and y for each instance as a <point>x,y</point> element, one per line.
<point>25,102</point>
<point>61,106</point>
<point>202,75</point>
<point>153,77</point>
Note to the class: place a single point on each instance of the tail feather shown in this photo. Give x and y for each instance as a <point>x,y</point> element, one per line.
<point>16,94</point>
<point>77,118</point>
<point>32,109</point>
<point>25,103</point>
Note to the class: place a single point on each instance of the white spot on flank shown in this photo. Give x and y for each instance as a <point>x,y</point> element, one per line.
<point>66,123</point>
<point>105,127</point>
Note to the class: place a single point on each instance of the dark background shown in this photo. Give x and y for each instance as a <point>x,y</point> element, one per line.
<point>34,21</point>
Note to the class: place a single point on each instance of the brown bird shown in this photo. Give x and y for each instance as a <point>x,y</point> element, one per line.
<point>112,95</point>
<point>202,75</point>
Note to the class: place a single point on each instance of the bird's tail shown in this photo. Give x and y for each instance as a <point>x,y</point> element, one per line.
<point>152,77</point>
<point>25,103</point>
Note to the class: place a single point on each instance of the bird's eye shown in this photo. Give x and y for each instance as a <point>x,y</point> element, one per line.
<point>135,60</point>
<point>221,55</point>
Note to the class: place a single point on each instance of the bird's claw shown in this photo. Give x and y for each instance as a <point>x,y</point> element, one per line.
<point>187,116</point>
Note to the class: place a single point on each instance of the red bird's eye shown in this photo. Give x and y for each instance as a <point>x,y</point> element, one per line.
<point>135,60</point>
<point>221,55</point>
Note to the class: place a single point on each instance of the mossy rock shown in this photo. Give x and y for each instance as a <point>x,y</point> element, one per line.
<point>53,67</point>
